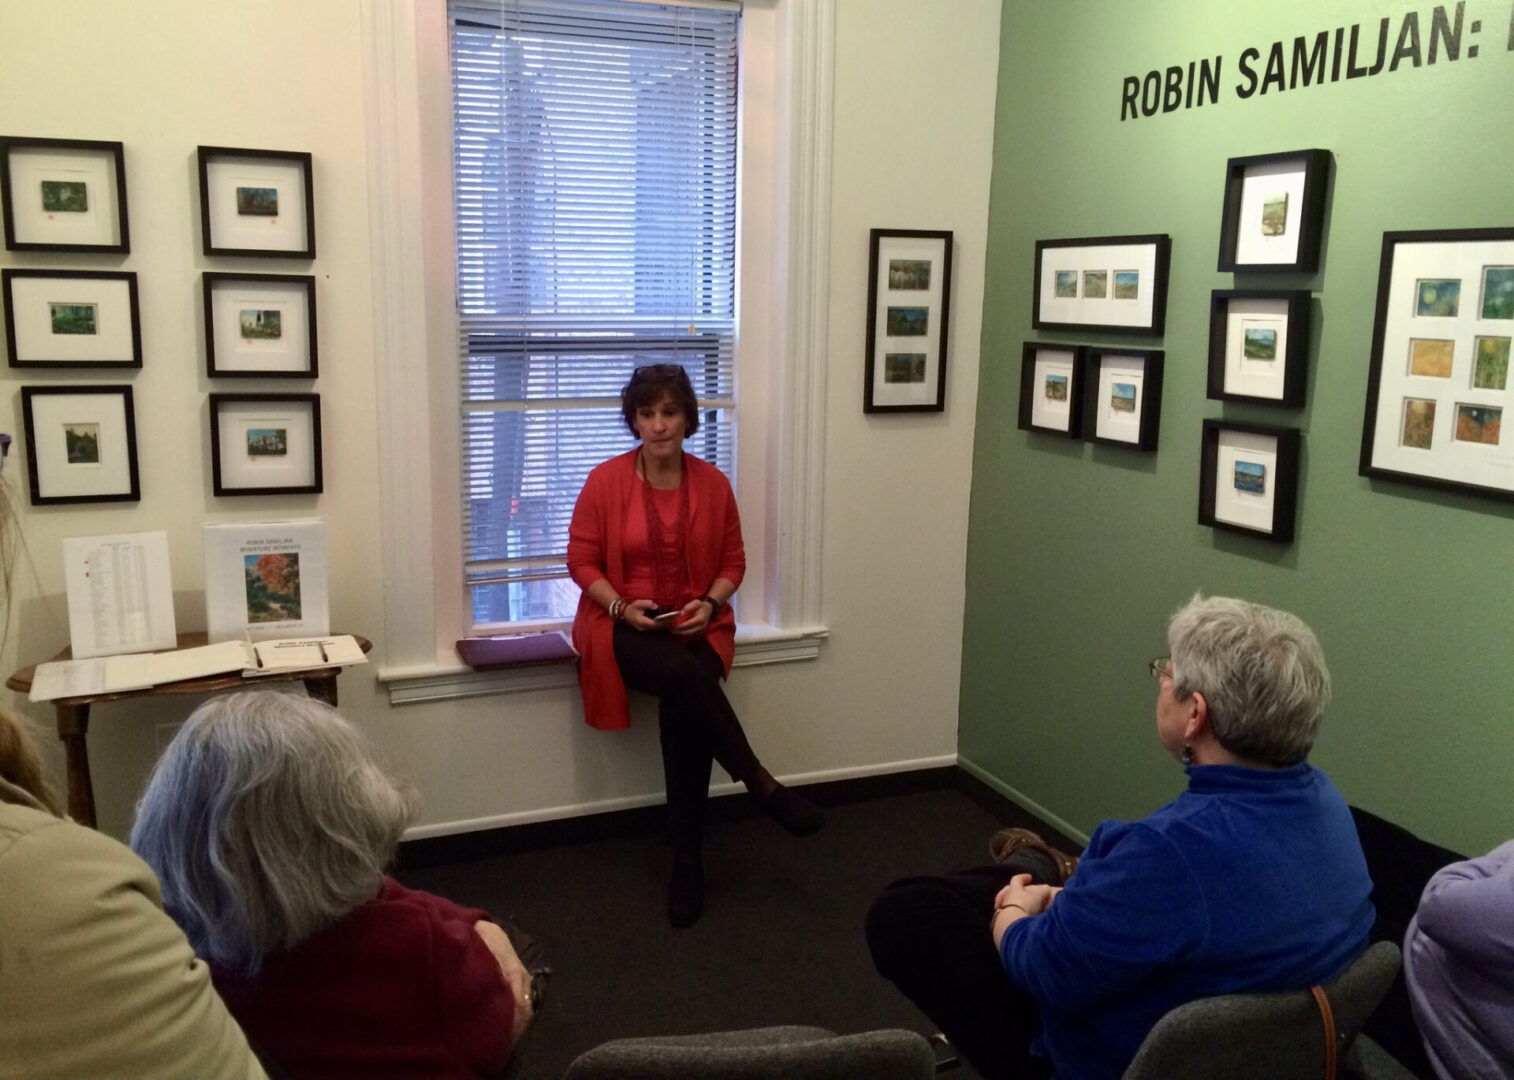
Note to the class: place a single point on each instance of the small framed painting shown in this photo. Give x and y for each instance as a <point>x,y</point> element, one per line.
<point>265,444</point>
<point>71,319</point>
<point>1259,346</point>
<point>81,444</point>
<point>260,325</point>
<point>1274,211</point>
<point>64,195</point>
<point>1438,383</point>
<point>1051,388</point>
<point>908,308</point>
<point>1122,397</point>
<point>1248,479</point>
<point>1112,283</point>
<point>257,202</point>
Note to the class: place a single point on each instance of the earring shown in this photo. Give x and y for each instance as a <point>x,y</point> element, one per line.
<point>1187,754</point>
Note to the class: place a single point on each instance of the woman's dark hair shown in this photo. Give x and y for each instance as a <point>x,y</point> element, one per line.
<point>650,383</point>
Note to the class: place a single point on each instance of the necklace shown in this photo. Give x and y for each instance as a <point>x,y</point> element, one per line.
<point>668,544</point>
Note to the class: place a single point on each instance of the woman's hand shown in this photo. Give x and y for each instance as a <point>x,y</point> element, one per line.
<point>1018,900</point>
<point>516,977</point>
<point>1032,899</point>
<point>693,617</point>
<point>635,615</point>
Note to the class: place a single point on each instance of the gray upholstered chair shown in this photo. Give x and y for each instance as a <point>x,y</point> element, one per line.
<point>1275,1036</point>
<point>793,1053</point>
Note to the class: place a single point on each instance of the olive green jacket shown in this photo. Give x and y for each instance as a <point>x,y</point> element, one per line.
<point>95,980</point>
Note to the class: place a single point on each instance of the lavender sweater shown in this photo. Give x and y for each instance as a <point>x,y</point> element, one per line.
<point>1459,964</point>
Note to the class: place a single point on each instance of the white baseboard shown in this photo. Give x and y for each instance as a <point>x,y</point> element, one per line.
<point>656,798</point>
<point>1019,798</point>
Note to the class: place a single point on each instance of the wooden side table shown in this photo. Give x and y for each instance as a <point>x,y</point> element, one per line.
<point>73,712</point>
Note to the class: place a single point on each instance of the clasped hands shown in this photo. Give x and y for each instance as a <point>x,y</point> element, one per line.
<point>1018,899</point>
<point>692,618</point>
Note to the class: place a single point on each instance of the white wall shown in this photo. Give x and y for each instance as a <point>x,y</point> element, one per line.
<point>914,98</point>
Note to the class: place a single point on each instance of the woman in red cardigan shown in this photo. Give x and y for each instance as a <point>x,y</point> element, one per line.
<point>655,544</point>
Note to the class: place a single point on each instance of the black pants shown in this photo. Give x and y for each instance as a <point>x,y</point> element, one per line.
<point>930,937</point>
<point>696,722</point>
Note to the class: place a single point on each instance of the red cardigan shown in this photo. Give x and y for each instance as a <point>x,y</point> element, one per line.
<point>399,986</point>
<point>594,551</point>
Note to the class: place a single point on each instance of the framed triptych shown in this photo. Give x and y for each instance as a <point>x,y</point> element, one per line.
<point>908,309</point>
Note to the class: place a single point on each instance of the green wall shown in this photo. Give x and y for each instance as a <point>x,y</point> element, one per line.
<point>1077,555</point>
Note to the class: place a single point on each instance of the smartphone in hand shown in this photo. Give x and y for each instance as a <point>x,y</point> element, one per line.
<point>662,616</point>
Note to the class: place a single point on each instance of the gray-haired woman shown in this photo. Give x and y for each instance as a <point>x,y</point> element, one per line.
<point>1252,880</point>
<point>269,822</point>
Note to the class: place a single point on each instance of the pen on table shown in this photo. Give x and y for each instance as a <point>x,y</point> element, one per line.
<point>322,646</point>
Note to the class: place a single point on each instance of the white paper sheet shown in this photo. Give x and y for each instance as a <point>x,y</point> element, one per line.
<point>120,594</point>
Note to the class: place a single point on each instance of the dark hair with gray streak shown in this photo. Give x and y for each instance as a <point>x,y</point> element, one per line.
<point>1261,671</point>
<point>267,819</point>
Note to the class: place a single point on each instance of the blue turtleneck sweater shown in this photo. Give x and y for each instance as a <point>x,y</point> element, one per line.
<point>1252,880</point>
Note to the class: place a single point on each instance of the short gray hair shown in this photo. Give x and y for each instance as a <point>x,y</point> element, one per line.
<point>267,819</point>
<point>1261,671</point>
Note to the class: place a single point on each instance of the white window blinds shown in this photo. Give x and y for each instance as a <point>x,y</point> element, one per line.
<point>595,187</point>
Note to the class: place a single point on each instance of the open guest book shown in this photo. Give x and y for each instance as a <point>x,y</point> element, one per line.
<point>137,671</point>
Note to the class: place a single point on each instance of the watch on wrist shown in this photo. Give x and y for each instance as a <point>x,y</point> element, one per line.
<point>715,605</point>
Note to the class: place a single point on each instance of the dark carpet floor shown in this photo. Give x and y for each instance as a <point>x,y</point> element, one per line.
<point>780,941</point>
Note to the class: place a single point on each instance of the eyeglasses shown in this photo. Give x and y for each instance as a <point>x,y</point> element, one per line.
<point>1159,667</point>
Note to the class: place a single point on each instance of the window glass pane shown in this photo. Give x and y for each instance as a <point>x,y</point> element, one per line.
<point>595,188</point>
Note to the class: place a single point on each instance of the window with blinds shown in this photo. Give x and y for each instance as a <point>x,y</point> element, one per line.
<point>595,187</point>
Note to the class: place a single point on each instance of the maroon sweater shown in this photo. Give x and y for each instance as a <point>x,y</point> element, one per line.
<point>401,987</point>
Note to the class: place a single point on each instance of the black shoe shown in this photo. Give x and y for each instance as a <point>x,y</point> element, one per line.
<point>686,892</point>
<point>794,812</point>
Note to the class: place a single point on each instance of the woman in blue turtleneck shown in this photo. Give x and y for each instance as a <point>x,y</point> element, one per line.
<point>1251,880</point>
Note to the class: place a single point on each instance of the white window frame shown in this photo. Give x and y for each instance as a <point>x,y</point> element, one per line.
<point>408,91</point>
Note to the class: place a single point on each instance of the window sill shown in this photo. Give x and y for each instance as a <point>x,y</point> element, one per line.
<point>444,681</point>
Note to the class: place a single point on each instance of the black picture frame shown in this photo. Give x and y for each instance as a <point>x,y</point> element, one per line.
<point>1218,506</point>
<point>302,284</point>
<point>1148,255</point>
<point>1293,308</point>
<point>130,342</point>
<point>1100,425</point>
<point>115,152</point>
<point>1309,221</point>
<point>128,487</point>
<point>223,478</point>
<point>1034,413</point>
<point>298,161</point>
<point>1400,447</point>
<point>881,392</point>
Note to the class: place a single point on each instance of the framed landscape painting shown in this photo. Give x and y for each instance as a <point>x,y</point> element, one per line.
<point>1051,387</point>
<point>256,202</point>
<point>71,319</point>
<point>1110,283</point>
<point>908,308</point>
<point>1438,384</point>
<point>265,444</point>
<point>64,195</point>
<point>81,444</point>
<point>1122,397</point>
<point>1259,345</point>
<point>1248,479</point>
<point>260,325</point>
<point>1274,211</point>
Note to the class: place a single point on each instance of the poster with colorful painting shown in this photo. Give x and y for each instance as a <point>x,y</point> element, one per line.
<point>265,579</point>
